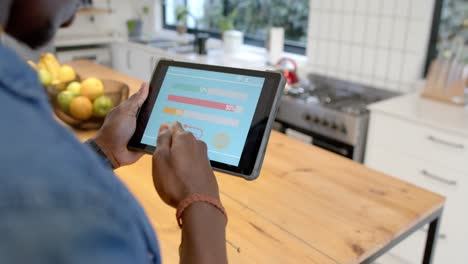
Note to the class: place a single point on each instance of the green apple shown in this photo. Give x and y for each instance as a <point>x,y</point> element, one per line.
<point>102,105</point>
<point>64,98</point>
<point>74,88</point>
<point>45,77</point>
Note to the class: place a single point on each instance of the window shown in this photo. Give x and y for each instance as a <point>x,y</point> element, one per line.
<point>450,20</point>
<point>253,17</point>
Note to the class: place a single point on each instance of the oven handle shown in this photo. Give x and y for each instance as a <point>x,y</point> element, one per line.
<point>328,146</point>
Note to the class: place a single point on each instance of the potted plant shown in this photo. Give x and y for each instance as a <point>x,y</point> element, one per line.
<point>135,26</point>
<point>182,14</point>
<point>232,39</point>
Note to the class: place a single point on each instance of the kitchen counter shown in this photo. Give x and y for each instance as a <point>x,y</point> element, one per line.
<point>427,112</point>
<point>247,55</point>
<point>308,206</point>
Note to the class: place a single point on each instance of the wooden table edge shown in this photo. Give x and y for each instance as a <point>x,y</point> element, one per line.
<point>435,212</point>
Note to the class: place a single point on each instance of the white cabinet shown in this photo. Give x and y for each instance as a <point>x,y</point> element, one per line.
<point>135,60</point>
<point>425,143</point>
<point>120,58</point>
<point>139,64</point>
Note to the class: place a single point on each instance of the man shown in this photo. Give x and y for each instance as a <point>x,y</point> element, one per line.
<point>60,201</point>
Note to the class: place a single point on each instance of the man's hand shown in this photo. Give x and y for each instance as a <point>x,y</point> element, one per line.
<point>119,127</point>
<point>181,166</point>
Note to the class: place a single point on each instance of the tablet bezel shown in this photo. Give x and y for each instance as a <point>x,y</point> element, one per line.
<point>260,127</point>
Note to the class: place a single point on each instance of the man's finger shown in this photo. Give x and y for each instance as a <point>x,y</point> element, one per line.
<point>164,137</point>
<point>138,98</point>
<point>177,128</point>
<point>142,94</point>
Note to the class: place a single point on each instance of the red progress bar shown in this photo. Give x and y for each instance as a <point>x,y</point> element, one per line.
<point>204,103</point>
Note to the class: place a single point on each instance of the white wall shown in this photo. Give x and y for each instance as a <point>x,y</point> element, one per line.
<point>378,42</point>
<point>115,22</point>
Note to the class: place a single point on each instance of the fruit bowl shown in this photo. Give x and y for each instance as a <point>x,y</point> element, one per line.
<point>114,91</point>
<point>54,89</point>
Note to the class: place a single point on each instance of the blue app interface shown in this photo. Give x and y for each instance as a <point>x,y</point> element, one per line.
<point>216,107</point>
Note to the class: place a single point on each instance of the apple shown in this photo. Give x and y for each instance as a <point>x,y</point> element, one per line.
<point>74,88</point>
<point>64,98</point>
<point>102,105</point>
<point>45,77</point>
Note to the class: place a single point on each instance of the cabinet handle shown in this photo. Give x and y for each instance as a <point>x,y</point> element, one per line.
<point>432,176</point>
<point>445,142</point>
<point>128,60</point>
<point>86,57</point>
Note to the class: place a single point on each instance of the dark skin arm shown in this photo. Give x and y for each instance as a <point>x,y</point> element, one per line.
<point>119,127</point>
<point>181,168</point>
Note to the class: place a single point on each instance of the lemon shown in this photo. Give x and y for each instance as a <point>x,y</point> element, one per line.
<point>81,108</point>
<point>92,88</point>
<point>74,88</point>
<point>66,74</point>
<point>45,77</point>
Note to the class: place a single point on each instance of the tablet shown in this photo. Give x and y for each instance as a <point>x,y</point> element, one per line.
<point>231,110</point>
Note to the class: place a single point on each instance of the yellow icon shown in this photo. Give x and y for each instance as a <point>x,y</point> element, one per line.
<point>221,140</point>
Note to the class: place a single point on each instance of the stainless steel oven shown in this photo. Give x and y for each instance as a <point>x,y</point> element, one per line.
<point>329,113</point>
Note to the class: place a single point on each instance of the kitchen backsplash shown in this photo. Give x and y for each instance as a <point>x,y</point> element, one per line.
<point>379,42</point>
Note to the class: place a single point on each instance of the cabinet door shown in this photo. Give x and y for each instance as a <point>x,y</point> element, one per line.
<point>120,58</point>
<point>139,64</point>
<point>152,64</point>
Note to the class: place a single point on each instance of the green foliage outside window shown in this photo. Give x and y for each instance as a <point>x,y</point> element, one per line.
<point>255,17</point>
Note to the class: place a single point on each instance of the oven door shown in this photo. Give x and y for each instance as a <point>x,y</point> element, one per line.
<point>318,140</point>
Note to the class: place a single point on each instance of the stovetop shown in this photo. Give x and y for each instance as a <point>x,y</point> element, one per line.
<point>331,108</point>
<point>342,96</point>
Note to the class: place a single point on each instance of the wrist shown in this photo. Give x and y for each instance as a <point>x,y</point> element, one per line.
<point>199,204</point>
<point>103,151</point>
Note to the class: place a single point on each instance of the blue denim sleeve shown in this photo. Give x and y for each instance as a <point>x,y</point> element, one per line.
<point>68,232</point>
<point>59,202</point>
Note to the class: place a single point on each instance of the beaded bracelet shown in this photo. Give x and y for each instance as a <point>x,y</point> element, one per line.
<point>194,198</point>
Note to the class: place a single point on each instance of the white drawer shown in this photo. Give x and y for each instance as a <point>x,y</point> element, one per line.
<point>387,132</point>
<point>428,175</point>
<point>451,184</point>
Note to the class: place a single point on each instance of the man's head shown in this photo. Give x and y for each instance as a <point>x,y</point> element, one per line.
<point>34,22</point>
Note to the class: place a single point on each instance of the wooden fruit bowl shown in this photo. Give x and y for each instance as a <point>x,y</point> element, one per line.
<point>115,90</point>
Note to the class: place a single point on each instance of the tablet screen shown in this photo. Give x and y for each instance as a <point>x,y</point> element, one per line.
<point>216,107</point>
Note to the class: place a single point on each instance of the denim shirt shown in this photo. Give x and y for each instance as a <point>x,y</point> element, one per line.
<point>59,202</point>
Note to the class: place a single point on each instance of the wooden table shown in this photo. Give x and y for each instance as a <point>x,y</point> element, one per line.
<point>308,206</point>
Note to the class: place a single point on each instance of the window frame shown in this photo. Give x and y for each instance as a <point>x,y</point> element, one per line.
<point>432,51</point>
<point>289,45</point>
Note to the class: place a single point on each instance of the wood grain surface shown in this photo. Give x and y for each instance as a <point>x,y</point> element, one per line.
<point>308,206</point>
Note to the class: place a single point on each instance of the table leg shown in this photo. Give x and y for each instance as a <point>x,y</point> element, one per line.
<point>432,235</point>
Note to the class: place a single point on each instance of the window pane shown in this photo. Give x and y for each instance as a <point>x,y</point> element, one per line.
<point>254,17</point>
<point>203,14</point>
<point>170,10</point>
<point>206,13</point>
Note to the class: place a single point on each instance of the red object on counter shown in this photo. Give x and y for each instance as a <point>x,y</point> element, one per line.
<point>290,73</point>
